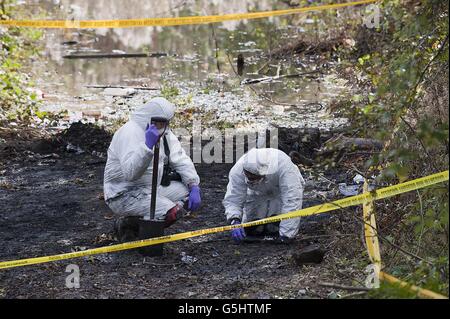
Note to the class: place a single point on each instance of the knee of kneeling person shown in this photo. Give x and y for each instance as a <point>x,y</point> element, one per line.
<point>175,191</point>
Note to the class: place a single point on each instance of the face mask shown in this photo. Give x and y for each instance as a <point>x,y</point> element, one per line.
<point>163,130</point>
<point>160,122</point>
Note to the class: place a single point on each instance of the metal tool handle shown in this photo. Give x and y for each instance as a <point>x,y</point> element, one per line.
<point>154,181</point>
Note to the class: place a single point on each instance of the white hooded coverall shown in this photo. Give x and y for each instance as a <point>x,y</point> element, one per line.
<point>128,172</point>
<point>280,192</point>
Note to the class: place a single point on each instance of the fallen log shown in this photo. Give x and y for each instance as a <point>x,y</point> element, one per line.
<point>113,55</point>
<point>307,48</point>
<point>277,77</point>
<point>336,286</point>
<point>342,143</point>
<point>120,87</point>
<point>298,158</point>
<point>69,43</point>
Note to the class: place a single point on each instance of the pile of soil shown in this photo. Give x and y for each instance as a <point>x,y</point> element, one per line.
<point>86,136</point>
<point>305,141</point>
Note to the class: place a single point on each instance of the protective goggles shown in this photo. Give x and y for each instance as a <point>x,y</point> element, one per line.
<point>159,121</point>
<point>253,177</point>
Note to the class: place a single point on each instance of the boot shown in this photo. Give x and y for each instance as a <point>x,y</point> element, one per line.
<point>272,229</point>
<point>255,230</point>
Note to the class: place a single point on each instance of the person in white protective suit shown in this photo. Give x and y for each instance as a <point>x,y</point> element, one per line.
<point>128,171</point>
<point>264,182</point>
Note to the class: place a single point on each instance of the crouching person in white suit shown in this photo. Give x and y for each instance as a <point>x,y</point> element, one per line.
<point>262,183</point>
<point>128,171</point>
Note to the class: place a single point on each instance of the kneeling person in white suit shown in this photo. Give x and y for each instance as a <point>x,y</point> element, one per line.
<point>262,183</point>
<point>128,171</point>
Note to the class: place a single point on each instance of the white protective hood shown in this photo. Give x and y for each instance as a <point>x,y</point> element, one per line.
<point>258,161</point>
<point>157,107</point>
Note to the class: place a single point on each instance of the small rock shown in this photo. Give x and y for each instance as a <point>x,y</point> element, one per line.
<point>333,295</point>
<point>187,259</point>
<point>98,154</point>
<point>74,149</point>
<point>65,242</point>
<point>52,155</point>
<point>302,292</point>
<point>312,254</point>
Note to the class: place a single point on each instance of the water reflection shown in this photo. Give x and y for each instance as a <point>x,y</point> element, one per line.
<point>191,49</point>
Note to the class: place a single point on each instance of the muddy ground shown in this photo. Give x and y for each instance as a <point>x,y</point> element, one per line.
<point>51,202</point>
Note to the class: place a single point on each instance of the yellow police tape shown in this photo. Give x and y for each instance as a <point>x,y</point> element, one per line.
<point>341,203</point>
<point>423,293</point>
<point>373,249</point>
<point>130,23</point>
<point>370,231</point>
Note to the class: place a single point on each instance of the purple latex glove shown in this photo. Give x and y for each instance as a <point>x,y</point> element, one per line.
<point>237,234</point>
<point>194,198</point>
<point>151,136</point>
